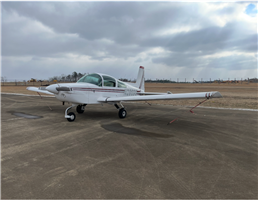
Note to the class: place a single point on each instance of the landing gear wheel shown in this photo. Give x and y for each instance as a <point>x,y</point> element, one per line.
<point>80,109</point>
<point>72,117</point>
<point>122,113</point>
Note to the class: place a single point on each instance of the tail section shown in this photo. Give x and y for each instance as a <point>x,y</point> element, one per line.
<point>140,79</point>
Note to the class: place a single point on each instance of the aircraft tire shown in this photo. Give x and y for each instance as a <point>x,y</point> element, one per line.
<point>79,109</point>
<point>73,116</point>
<point>122,113</point>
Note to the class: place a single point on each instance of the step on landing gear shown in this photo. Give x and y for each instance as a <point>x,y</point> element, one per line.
<point>122,112</point>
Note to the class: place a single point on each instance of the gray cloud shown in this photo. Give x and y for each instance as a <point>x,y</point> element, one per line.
<point>109,33</point>
<point>232,62</point>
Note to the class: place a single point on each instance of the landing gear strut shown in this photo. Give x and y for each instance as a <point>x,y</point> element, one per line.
<point>70,116</point>
<point>80,108</point>
<point>122,112</point>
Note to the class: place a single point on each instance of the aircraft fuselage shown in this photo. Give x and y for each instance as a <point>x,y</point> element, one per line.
<point>85,93</point>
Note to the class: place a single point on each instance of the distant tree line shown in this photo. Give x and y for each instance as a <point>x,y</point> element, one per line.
<point>67,78</point>
<point>148,80</point>
<point>74,77</point>
<point>159,81</point>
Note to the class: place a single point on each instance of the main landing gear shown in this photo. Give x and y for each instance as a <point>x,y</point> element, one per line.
<point>80,109</point>
<point>71,116</point>
<point>122,112</point>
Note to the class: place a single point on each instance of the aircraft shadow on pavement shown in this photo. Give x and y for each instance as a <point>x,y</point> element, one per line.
<point>119,128</point>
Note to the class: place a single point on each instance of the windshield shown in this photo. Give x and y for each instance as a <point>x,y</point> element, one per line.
<point>91,78</point>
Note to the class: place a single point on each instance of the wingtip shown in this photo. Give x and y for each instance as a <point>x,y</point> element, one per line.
<point>28,88</point>
<point>216,95</point>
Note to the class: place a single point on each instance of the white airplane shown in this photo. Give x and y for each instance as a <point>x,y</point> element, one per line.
<point>99,88</point>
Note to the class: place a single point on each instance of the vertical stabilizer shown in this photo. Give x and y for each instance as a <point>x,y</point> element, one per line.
<point>140,79</point>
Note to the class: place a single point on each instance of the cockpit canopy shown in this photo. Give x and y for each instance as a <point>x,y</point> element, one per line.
<point>91,78</point>
<point>100,81</point>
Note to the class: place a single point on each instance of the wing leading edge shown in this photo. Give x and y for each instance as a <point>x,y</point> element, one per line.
<point>197,95</point>
<point>40,89</point>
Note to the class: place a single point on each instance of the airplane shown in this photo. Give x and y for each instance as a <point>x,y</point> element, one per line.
<point>97,88</point>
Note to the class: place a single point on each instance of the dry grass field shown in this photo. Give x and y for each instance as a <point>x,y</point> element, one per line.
<point>234,95</point>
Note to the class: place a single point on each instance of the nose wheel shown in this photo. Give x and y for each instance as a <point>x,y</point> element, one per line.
<point>72,117</point>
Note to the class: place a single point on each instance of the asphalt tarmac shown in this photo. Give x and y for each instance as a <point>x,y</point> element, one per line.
<point>211,154</point>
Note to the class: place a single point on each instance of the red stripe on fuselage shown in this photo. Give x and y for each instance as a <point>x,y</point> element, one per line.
<point>99,90</point>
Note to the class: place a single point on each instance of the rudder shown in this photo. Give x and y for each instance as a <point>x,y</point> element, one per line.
<point>140,79</point>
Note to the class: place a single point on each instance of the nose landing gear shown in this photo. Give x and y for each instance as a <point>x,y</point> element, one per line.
<point>71,116</point>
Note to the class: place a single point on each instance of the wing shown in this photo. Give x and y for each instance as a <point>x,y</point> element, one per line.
<point>197,95</point>
<point>40,89</point>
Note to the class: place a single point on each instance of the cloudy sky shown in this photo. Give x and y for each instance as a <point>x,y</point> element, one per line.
<point>170,39</point>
